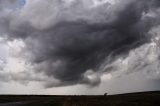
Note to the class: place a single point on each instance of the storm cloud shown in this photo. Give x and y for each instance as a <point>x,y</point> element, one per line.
<point>72,40</point>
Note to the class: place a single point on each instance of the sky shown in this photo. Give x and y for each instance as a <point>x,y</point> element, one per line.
<point>75,47</point>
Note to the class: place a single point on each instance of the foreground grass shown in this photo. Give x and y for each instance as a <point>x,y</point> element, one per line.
<point>134,99</point>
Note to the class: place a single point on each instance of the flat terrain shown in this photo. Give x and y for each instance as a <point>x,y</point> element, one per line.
<point>132,99</point>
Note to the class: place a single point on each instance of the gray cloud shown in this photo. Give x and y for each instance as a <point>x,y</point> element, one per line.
<point>64,41</point>
<point>8,4</point>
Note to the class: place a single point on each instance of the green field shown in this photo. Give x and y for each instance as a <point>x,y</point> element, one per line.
<point>132,99</point>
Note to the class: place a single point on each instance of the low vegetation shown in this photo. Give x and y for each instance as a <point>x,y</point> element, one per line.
<point>132,99</point>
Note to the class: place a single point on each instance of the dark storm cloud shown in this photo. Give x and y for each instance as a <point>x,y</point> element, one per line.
<point>68,49</point>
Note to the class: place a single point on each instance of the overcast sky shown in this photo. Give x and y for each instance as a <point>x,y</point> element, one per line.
<point>79,46</point>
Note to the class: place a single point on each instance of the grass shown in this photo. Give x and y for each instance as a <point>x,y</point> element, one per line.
<point>132,99</point>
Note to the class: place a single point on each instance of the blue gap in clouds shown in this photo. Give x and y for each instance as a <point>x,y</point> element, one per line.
<point>21,2</point>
